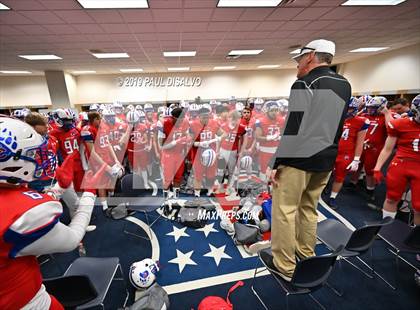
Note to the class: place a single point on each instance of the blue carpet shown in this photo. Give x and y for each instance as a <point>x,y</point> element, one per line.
<point>360,293</point>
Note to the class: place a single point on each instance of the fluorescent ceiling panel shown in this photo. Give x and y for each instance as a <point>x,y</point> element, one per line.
<point>180,54</point>
<point>179,69</point>
<point>114,4</point>
<point>110,55</point>
<point>245,52</point>
<point>14,72</point>
<point>372,2</point>
<point>3,7</point>
<point>268,66</point>
<point>131,70</point>
<point>247,3</point>
<point>84,72</point>
<point>368,49</point>
<point>224,67</point>
<point>40,57</point>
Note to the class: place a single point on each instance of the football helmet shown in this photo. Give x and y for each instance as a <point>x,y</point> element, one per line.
<point>142,116</point>
<point>246,162</point>
<point>64,118</point>
<point>184,104</point>
<point>109,116</point>
<point>271,106</point>
<point>239,106</point>
<point>258,104</point>
<point>353,107</point>
<point>283,105</point>
<point>24,154</point>
<point>208,157</point>
<point>133,117</point>
<point>364,99</point>
<point>20,113</point>
<point>138,107</point>
<point>118,107</point>
<point>415,108</point>
<point>193,109</point>
<point>94,107</point>
<point>142,274</point>
<point>374,104</point>
<point>161,109</point>
<point>148,107</point>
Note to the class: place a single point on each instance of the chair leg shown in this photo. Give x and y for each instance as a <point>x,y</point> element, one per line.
<point>372,268</point>
<point>136,235</point>
<point>125,285</point>
<point>253,289</point>
<point>335,291</point>
<point>287,301</point>
<point>358,268</point>
<point>317,302</point>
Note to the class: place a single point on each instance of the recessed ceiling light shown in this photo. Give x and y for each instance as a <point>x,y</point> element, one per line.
<point>368,49</point>
<point>373,2</point>
<point>113,4</point>
<point>224,67</point>
<point>245,52</point>
<point>180,54</point>
<point>3,7</point>
<point>110,55</point>
<point>84,72</point>
<point>179,69</point>
<point>296,51</point>
<point>40,57</point>
<point>247,3</point>
<point>268,66</point>
<point>131,70</point>
<point>14,72</point>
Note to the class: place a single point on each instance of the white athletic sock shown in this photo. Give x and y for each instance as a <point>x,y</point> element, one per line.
<point>176,192</point>
<point>333,195</point>
<point>145,181</point>
<point>370,188</point>
<point>388,213</point>
<point>104,205</point>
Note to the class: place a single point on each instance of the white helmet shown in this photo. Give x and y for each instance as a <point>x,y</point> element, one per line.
<point>258,104</point>
<point>415,108</point>
<point>284,104</point>
<point>208,157</point>
<point>133,117</point>
<point>139,107</point>
<point>271,105</point>
<point>118,107</point>
<point>64,118</point>
<point>246,162</point>
<point>94,107</point>
<point>239,106</point>
<point>374,104</point>
<point>143,273</point>
<point>24,155</point>
<point>184,104</point>
<point>206,106</point>
<point>130,107</point>
<point>213,103</point>
<point>148,107</point>
<point>83,116</point>
<point>21,113</point>
<point>161,109</point>
<point>109,116</point>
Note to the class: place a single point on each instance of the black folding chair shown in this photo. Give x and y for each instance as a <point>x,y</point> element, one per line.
<point>334,234</point>
<point>310,275</point>
<point>403,239</point>
<point>140,199</point>
<point>86,282</point>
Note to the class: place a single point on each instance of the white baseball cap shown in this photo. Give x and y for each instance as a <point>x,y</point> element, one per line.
<point>320,46</point>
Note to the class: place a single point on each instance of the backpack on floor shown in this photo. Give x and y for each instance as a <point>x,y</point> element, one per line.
<point>218,303</point>
<point>191,217</point>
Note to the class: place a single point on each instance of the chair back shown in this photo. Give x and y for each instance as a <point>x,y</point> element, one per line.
<point>311,273</point>
<point>413,239</point>
<point>132,185</point>
<point>363,237</point>
<point>71,291</point>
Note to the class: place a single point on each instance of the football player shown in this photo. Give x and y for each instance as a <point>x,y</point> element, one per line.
<point>257,111</point>
<point>29,224</point>
<point>268,133</point>
<point>350,148</point>
<point>404,134</point>
<point>172,138</point>
<point>119,111</point>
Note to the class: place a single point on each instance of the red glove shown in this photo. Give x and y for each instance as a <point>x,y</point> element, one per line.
<point>378,176</point>
<point>64,173</point>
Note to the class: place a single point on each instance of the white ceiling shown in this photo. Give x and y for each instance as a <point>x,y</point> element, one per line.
<point>64,28</point>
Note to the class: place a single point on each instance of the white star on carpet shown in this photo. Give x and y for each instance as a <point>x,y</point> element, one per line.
<point>178,233</point>
<point>217,254</point>
<point>182,259</point>
<point>208,229</point>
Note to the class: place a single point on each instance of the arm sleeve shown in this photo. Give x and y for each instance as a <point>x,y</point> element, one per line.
<point>56,237</point>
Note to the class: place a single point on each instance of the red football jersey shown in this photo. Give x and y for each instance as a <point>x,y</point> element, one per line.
<point>231,142</point>
<point>250,128</point>
<point>376,134</point>
<point>68,142</point>
<point>407,131</point>
<point>270,127</point>
<point>88,134</point>
<point>171,130</point>
<point>351,128</point>
<point>202,132</point>
<point>139,138</point>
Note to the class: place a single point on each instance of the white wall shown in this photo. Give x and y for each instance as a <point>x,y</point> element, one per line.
<point>241,84</point>
<point>24,91</point>
<point>71,84</point>
<point>393,72</point>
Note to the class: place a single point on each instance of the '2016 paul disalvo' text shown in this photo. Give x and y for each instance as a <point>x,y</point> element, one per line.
<point>157,81</point>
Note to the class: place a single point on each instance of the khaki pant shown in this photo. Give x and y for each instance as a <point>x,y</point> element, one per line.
<point>294,215</point>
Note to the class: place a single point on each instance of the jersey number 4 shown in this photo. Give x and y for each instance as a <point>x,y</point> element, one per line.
<point>70,146</point>
<point>416,145</point>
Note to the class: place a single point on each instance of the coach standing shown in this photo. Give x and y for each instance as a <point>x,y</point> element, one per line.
<point>306,155</point>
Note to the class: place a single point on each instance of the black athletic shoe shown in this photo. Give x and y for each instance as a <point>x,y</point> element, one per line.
<point>267,258</point>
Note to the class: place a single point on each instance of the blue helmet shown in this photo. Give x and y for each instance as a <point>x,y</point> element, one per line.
<point>353,107</point>
<point>415,108</point>
<point>373,105</point>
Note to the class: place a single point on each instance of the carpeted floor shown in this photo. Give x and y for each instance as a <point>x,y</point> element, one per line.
<point>359,292</point>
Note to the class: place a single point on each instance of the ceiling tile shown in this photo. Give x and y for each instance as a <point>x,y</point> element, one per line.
<point>245,26</point>
<point>197,14</point>
<point>256,14</point>
<point>146,37</point>
<point>341,12</point>
<point>168,27</point>
<point>318,24</point>
<point>10,30</point>
<point>88,28</point>
<point>23,5</point>
<point>106,16</point>
<point>284,13</point>
<point>43,17</point>
<point>311,13</point>
<point>167,15</point>
<point>75,16</point>
<point>294,25</point>
<point>163,4</point>
<point>270,26</point>
<point>13,18</point>
<point>194,27</point>
<point>115,28</point>
<point>226,14</point>
<point>32,29</point>
<point>136,16</point>
<point>142,28</point>
<point>59,4</point>
<point>199,4</point>
<point>61,29</point>
<point>175,36</point>
<point>220,26</point>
